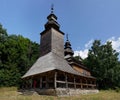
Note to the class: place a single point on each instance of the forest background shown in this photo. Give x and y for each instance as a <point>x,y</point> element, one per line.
<point>17,54</point>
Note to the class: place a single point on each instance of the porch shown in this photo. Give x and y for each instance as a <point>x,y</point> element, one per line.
<point>58,79</point>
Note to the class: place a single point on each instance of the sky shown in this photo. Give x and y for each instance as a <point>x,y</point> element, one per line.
<point>84,20</point>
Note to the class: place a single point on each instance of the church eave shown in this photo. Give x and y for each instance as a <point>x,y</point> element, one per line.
<point>54,62</point>
<point>49,29</point>
<point>52,15</point>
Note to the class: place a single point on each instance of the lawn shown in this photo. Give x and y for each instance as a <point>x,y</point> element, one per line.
<point>12,94</point>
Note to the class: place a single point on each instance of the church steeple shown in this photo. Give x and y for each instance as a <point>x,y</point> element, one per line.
<point>52,20</point>
<point>52,39</point>
<point>68,49</point>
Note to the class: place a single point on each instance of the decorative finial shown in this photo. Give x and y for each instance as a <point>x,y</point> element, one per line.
<point>67,37</point>
<point>52,8</point>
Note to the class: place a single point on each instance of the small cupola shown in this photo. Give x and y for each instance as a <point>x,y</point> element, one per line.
<point>68,49</point>
<point>52,20</point>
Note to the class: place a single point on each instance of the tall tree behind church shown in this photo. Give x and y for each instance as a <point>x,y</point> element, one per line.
<point>104,64</point>
<point>17,54</point>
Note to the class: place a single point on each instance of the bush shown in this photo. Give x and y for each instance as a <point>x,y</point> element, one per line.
<point>117,89</point>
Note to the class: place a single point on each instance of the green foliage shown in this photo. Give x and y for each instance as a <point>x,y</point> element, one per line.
<point>103,61</point>
<point>117,89</point>
<point>17,54</point>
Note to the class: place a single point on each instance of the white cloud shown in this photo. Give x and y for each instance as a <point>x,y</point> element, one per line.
<point>89,44</point>
<point>82,53</point>
<point>115,43</point>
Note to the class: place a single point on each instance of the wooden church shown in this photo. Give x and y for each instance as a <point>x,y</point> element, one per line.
<point>56,72</point>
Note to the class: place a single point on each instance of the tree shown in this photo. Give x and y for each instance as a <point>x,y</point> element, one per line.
<point>17,54</point>
<point>102,60</point>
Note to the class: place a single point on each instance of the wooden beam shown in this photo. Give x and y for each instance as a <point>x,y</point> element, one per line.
<point>40,82</point>
<point>93,84</point>
<point>87,83</point>
<point>47,86</point>
<point>81,83</point>
<point>60,81</point>
<point>66,81</point>
<point>55,82</point>
<point>74,83</point>
<point>31,82</point>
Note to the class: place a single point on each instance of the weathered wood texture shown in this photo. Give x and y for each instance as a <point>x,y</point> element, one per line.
<point>52,41</point>
<point>81,70</point>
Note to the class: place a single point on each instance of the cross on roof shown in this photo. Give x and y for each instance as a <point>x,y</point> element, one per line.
<point>52,8</point>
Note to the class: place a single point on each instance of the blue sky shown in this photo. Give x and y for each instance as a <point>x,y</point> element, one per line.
<point>83,20</point>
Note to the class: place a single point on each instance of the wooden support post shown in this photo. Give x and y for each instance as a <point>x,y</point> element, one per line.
<point>55,77</point>
<point>86,83</point>
<point>66,81</point>
<point>47,86</point>
<point>93,84</point>
<point>81,83</point>
<point>74,83</point>
<point>40,82</point>
<point>31,82</point>
<point>90,84</point>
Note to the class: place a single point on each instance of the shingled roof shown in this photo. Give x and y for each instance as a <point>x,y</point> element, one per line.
<point>50,62</point>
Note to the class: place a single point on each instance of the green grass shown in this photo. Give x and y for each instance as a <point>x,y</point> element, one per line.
<point>12,94</point>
